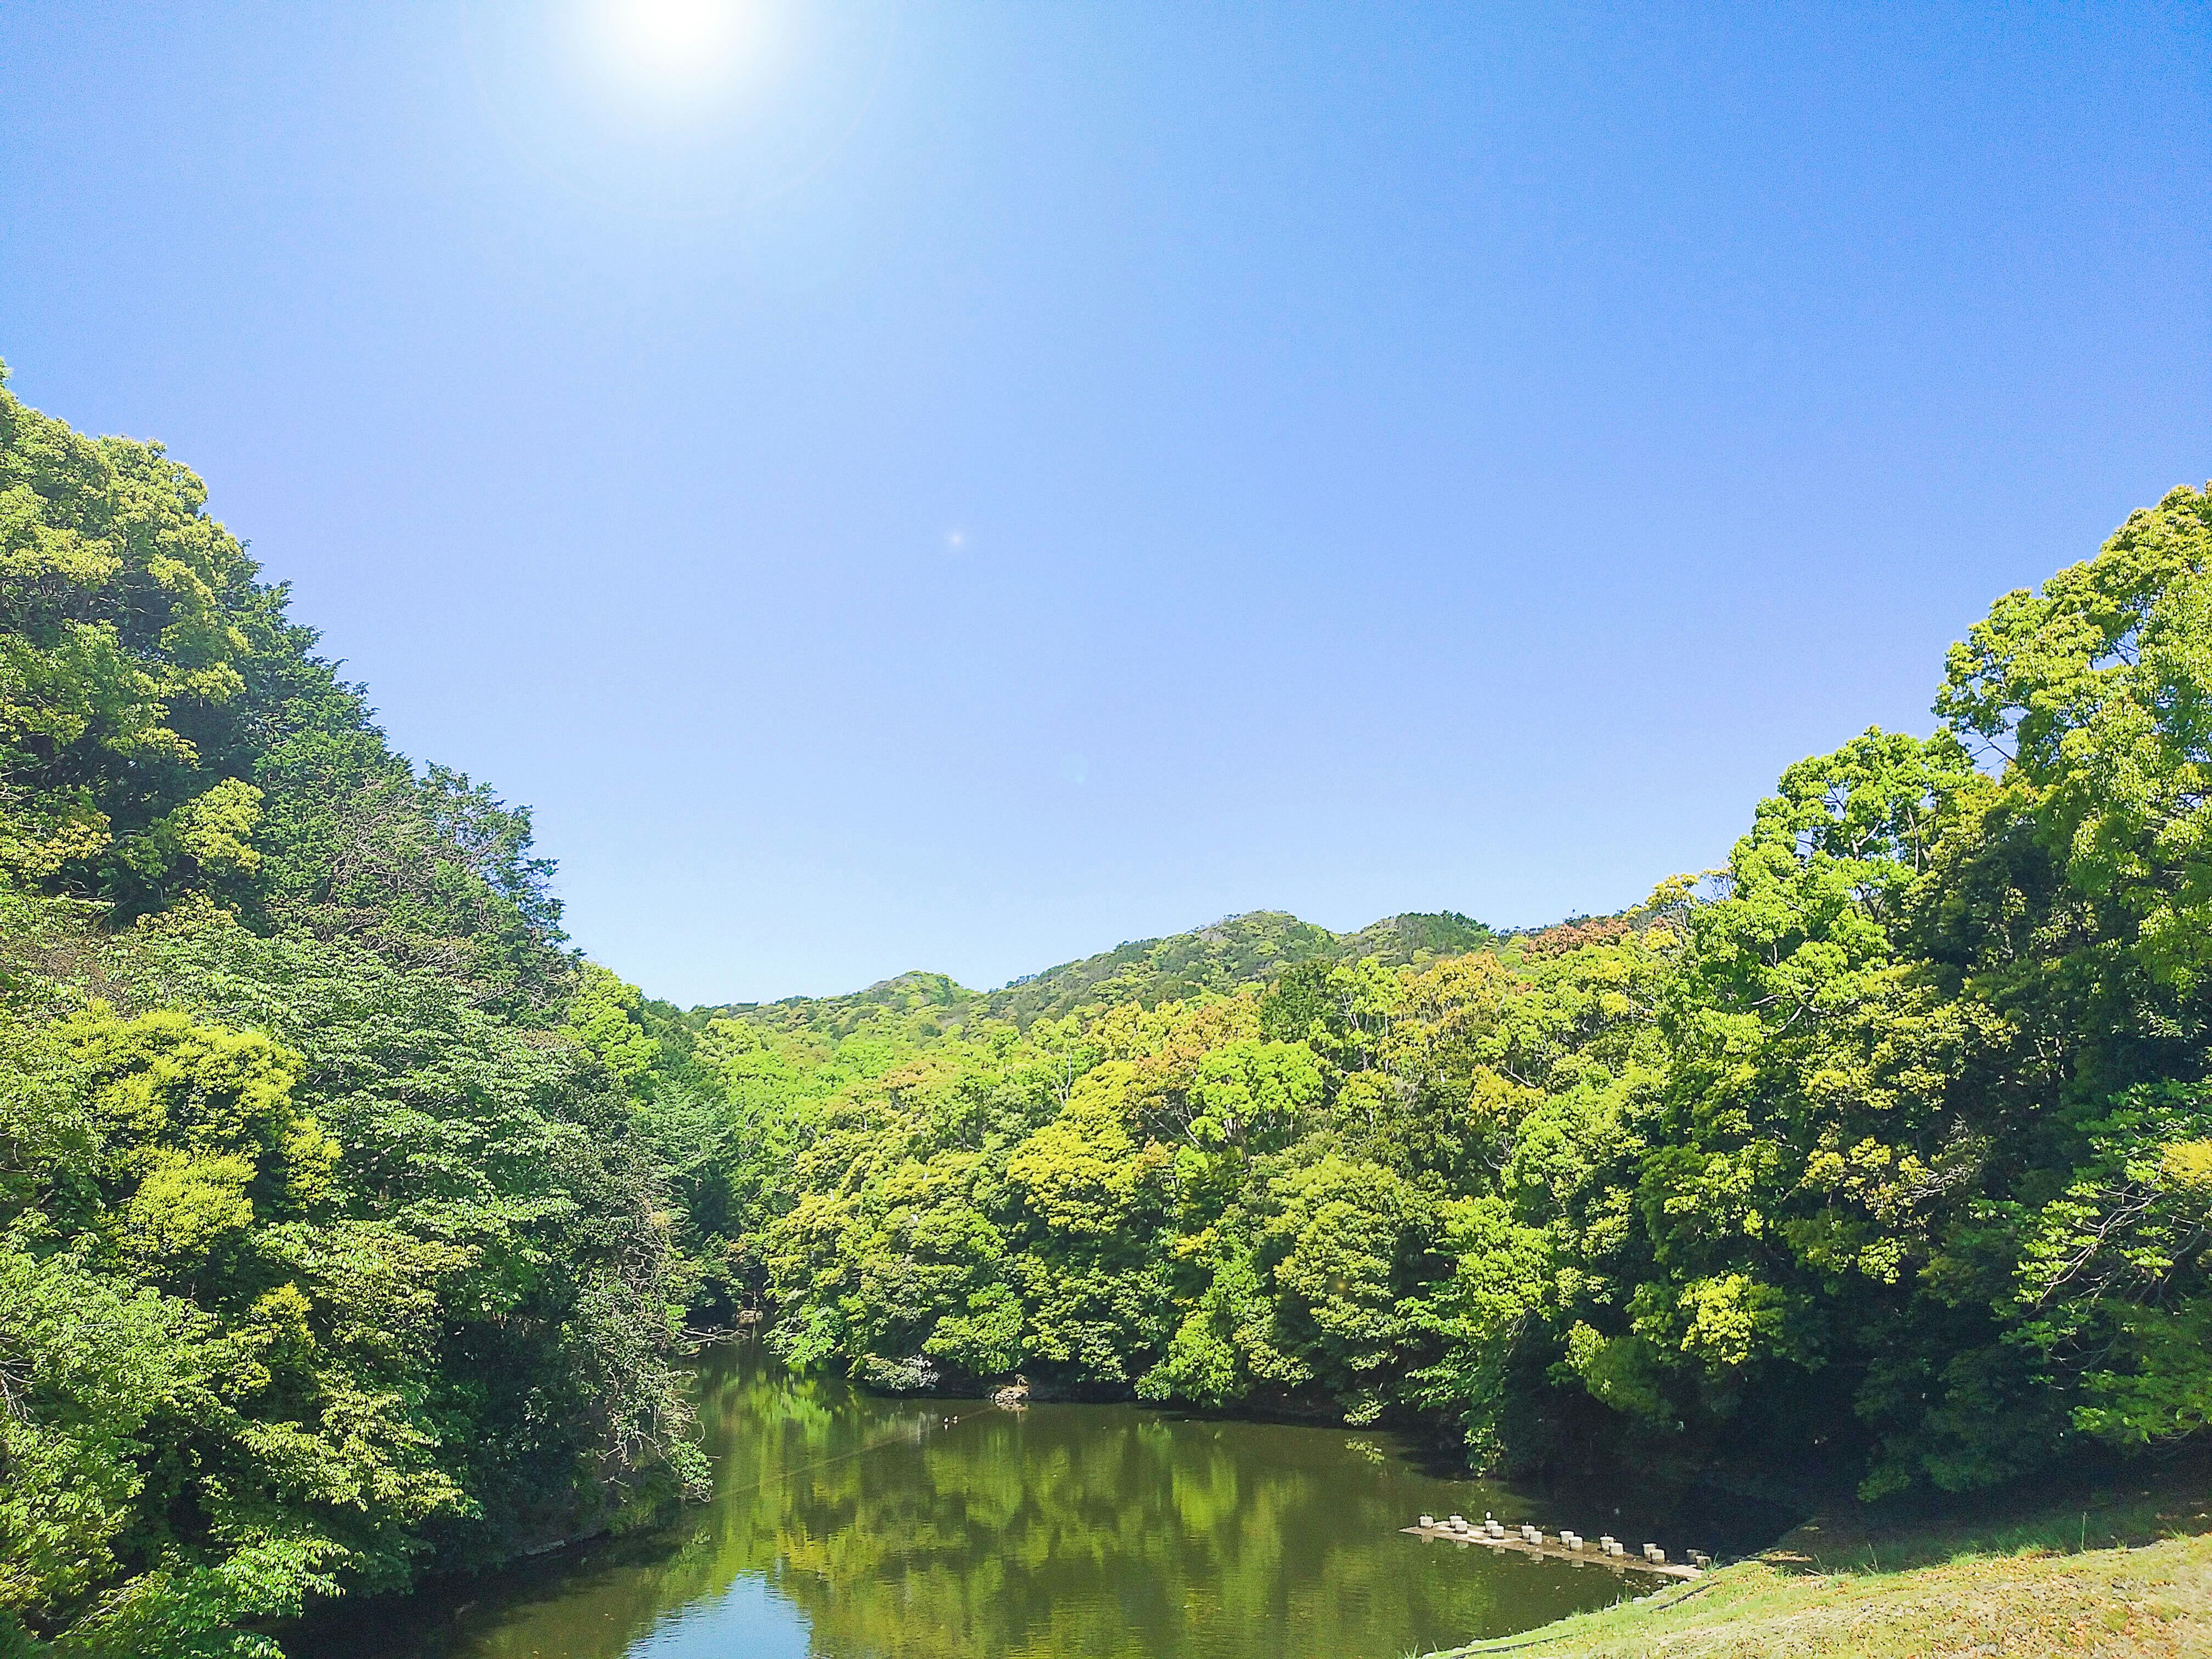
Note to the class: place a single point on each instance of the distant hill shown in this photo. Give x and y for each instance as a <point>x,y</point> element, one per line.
<point>912,994</point>
<point>1252,948</point>
<point>1236,950</point>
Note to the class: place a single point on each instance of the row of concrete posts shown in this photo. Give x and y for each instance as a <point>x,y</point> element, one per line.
<point>1490,1527</point>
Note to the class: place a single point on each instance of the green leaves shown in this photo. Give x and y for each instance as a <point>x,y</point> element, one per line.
<point>118,640</point>
<point>2097,692</point>
<point>605,1019</point>
<point>1252,1095</point>
<point>252,1360</point>
<point>2040,666</point>
<point>1081,1174</point>
<point>86,1365</point>
<point>2110,1280</point>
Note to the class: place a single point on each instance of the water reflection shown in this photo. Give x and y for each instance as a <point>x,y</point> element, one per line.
<point>849,1527</point>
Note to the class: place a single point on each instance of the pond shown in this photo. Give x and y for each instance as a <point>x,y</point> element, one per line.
<point>849,1525</point>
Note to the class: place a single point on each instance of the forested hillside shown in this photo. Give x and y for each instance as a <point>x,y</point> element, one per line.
<point>349,1220</point>
<point>1247,949</point>
<point>323,1255</point>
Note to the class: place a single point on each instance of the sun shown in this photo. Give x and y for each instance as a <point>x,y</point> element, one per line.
<point>670,47</point>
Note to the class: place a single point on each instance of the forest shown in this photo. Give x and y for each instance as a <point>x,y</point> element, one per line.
<point>352,1223</point>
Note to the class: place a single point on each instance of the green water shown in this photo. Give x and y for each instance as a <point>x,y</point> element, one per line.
<point>846,1525</point>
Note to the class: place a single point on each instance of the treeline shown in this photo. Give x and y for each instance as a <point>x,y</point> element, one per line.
<point>324,1255</point>
<point>1234,952</point>
<point>1885,1151</point>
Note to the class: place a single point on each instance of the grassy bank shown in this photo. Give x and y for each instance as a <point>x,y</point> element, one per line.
<point>2116,1570</point>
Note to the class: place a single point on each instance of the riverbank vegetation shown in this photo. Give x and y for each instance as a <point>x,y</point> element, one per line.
<point>349,1220</point>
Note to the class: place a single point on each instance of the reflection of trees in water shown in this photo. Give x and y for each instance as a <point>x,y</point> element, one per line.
<point>1061,1531</point>
<point>1106,1531</point>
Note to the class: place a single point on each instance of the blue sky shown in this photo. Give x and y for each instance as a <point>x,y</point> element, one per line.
<point>961,486</point>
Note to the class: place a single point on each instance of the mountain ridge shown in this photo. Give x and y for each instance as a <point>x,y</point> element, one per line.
<point>1250,947</point>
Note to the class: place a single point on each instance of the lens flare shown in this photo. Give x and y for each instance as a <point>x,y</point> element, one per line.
<point>670,47</point>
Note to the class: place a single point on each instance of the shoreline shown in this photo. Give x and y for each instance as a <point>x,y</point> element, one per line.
<point>2123,1571</point>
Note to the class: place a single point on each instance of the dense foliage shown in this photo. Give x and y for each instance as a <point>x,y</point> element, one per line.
<point>323,1250</point>
<point>1888,1149</point>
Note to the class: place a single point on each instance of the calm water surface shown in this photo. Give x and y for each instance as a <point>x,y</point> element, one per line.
<point>846,1525</point>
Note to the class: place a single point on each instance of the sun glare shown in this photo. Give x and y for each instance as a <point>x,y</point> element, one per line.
<point>671,47</point>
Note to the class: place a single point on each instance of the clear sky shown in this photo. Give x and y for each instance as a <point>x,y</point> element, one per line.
<point>961,486</point>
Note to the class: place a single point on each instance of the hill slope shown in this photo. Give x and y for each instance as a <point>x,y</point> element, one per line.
<point>1242,949</point>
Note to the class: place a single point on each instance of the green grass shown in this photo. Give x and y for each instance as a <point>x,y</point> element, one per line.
<point>2122,1571</point>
